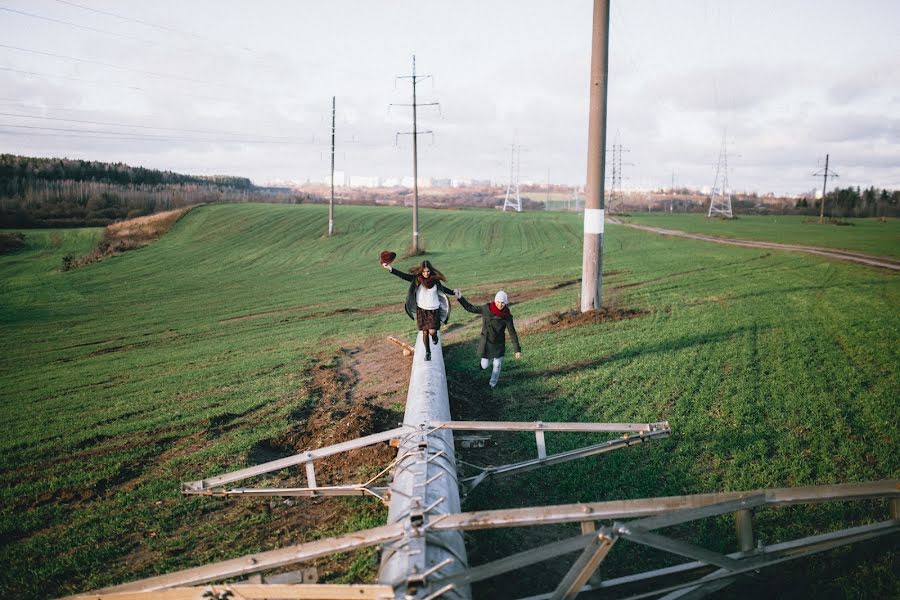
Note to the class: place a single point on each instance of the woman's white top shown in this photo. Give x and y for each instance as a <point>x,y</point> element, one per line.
<point>428,298</point>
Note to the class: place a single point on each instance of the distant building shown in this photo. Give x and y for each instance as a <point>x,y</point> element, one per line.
<point>391,182</point>
<point>340,179</point>
<point>460,183</point>
<point>360,181</point>
<point>440,183</point>
<point>424,182</point>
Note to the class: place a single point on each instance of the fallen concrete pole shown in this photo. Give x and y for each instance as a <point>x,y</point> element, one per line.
<point>425,491</point>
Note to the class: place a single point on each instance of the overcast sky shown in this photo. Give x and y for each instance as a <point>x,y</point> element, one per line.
<point>244,88</point>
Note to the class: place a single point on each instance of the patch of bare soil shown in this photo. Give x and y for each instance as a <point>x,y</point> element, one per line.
<point>574,318</point>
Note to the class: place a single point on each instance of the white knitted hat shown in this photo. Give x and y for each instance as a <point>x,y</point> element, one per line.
<point>501,297</point>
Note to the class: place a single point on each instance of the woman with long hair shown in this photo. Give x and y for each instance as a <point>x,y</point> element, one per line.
<point>426,300</point>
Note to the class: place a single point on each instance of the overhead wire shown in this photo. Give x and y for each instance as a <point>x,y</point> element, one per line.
<point>87,122</point>
<point>133,136</point>
<point>149,24</point>
<point>115,66</point>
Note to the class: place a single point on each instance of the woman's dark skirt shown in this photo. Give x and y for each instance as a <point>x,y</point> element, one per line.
<point>428,319</point>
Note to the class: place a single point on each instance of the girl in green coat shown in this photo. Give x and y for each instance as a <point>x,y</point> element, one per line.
<point>495,321</point>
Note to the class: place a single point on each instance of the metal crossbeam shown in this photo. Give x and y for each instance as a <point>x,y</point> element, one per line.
<point>521,559</point>
<point>584,567</point>
<point>643,507</point>
<point>263,561</point>
<point>256,592</point>
<point>661,542</point>
<point>561,457</point>
<point>549,426</point>
<point>335,490</point>
<point>201,485</point>
<point>760,558</point>
<point>692,514</point>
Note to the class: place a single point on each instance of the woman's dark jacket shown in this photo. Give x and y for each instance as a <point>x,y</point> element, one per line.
<point>410,305</point>
<point>493,337</point>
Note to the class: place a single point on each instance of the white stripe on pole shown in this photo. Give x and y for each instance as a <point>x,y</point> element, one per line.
<point>593,220</point>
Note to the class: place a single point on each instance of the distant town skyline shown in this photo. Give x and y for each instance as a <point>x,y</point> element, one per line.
<point>231,88</point>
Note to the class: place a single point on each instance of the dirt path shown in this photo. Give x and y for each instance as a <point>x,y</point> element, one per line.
<point>874,261</point>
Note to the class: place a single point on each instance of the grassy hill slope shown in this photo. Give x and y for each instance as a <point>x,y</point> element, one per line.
<point>869,236</point>
<point>204,350</point>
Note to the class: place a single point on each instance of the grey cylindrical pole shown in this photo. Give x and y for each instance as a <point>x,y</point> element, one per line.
<point>592,257</point>
<point>423,489</point>
<point>331,201</point>
<point>415,137</point>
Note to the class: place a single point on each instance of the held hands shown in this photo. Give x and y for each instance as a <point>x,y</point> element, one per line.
<point>387,266</point>
<point>457,293</point>
<point>518,355</point>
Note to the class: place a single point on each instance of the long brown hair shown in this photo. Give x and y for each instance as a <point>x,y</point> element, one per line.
<point>417,271</point>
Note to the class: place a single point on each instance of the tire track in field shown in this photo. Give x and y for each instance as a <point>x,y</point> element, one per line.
<point>865,259</point>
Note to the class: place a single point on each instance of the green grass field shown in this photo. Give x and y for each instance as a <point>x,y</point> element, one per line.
<point>868,236</point>
<point>182,359</point>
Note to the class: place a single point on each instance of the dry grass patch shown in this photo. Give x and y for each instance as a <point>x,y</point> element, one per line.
<point>127,235</point>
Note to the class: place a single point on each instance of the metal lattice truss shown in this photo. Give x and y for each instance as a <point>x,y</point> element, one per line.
<point>633,521</point>
<point>633,433</point>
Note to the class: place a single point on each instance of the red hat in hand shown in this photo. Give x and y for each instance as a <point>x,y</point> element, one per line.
<point>387,257</point>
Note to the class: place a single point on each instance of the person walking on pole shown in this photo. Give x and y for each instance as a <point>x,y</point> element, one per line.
<point>495,321</point>
<point>426,301</point>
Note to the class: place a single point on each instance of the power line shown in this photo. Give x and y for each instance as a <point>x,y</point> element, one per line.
<point>116,34</point>
<point>154,25</point>
<point>123,135</point>
<point>114,66</point>
<point>76,25</point>
<point>107,83</point>
<point>87,122</point>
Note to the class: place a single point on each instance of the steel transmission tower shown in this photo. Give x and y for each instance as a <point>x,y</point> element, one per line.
<point>415,133</point>
<point>515,167</point>
<point>720,198</point>
<point>615,194</point>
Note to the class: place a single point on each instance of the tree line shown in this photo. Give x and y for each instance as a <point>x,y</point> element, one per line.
<point>855,202</point>
<point>53,192</point>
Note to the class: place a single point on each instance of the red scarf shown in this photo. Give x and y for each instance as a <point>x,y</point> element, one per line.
<point>497,312</point>
<point>428,283</point>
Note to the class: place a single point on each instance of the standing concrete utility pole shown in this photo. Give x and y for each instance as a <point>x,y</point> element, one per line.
<point>415,135</point>
<point>331,201</point>
<point>824,176</point>
<point>592,260</point>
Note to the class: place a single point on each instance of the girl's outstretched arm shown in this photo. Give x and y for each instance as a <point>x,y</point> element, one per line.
<point>399,273</point>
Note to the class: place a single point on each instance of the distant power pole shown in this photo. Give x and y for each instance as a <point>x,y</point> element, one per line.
<point>515,168</point>
<point>824,176</point>
<point>720,199</point>
<point>331,202</point>
<point>547,201</point>
<point>415,79</point>
<point>615,194</point>
<point>592,255</point>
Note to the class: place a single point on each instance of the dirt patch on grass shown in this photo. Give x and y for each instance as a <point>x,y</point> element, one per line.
<point>127,235</point>
<point>350,396</point>
<point>575,318</point>
<point>11,242</point>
